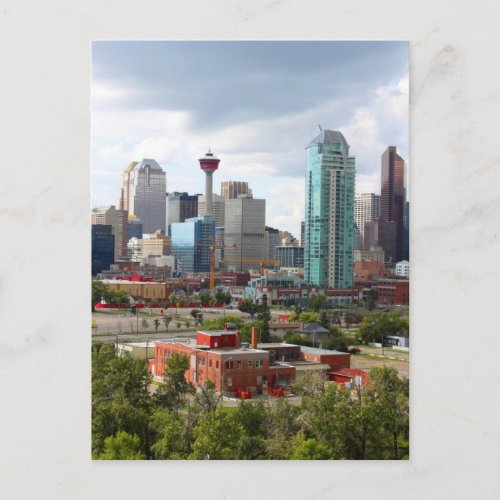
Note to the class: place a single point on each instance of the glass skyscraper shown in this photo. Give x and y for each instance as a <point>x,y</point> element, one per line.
<point>190,244</point>
<point>329,211</point>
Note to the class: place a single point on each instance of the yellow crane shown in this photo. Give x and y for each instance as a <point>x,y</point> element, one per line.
<point>213,247</point>
<point>262,262</point>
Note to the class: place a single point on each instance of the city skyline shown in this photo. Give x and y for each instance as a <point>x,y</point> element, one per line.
<point>255,104</point>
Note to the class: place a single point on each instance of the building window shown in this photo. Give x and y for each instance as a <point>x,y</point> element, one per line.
<point>258,363</point>
<point>216,364</point>
<point>229,382</point>
<point>238,364</point>
<point>210,363</point>
<point>250,364</point>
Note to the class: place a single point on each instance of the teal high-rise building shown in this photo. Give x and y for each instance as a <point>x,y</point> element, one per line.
<point>329,211</point>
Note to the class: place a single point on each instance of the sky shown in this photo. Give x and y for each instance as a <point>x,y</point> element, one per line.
<point>256,105</point>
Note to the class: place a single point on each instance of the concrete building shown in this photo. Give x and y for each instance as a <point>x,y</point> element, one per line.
<point>366,209</point>
<point>373,254</point>
<point>244,233</point>
<point>103,247</point>
<point>218,209</point>
<point>179,207</point>
<point>134,250</point>
<point>329,221</point>
<point>402,269</point>
<point>156,244</point>
<point>144,185</point>
<point>209,164</point>
<point>230,190</point>
<point>190,244</point>
<point>118,220</point>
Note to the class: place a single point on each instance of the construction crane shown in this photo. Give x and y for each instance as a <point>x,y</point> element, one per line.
<point>213,247</point>
<point>262,262</point>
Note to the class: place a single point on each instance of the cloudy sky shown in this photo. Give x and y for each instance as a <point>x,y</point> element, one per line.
<point>255,104</point>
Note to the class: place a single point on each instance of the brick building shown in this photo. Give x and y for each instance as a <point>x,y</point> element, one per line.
<point>221,357</point>
<point>393,291</point>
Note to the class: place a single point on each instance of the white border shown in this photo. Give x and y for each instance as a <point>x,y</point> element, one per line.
<point>44,213</point>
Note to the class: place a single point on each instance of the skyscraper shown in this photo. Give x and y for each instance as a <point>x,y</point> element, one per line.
<point>103,247</point>
<point>180,206</point>
<point>143,193</point>
<point>230,190</point>
<point>329,217</point>
<point>218,208</point>
<point>392,197</point>
<point>190,244</point>
<point>118,220</point>
<point>366,209</point>
<point>244,228</point>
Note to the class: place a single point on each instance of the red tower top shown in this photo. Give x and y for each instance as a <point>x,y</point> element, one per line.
<point>209,163</point>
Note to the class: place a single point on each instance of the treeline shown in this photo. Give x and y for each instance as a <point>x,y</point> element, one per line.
<point>179,422</point>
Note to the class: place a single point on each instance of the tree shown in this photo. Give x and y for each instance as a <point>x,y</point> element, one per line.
<point>264,317</point>
<point>194,313</point>
<point>99,291</point>
<point>122,446</point>
<point>249,307</point>
<point>144,323</point>
<point>308,449</point>
<point>317,302</point>
<point>118,297</point>
<point>207,397</point>
<point>323,319</point>
<point>157,324</point>
<point>175,388</point>
<point>378,324</point>
<point>217,437</point>
<point>205,297</point>
<point>167,320</point>
<point>171,441</point>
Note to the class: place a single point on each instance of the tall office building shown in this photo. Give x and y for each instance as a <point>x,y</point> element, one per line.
<point>272,240</point>
<point>156,244</point>
<point>218,208</point>
<point>244,233</point>
<point>290,256</point>
<point>179,207</point>
<point>134,227</point>
<point>302,233</point>
<point>103,248</point>
<point>230,190</point>
<point>406,241</point>
<point>143,190</point>
<point>191,244</point>
<point>366,209</point>
<point>392,197</point>
<point>118,220</point>
<point>329,211</point>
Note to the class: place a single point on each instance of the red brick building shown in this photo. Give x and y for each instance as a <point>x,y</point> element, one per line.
<point>220,356</point>
<point>393,291</point>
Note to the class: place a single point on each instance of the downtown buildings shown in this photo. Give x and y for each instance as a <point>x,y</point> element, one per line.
<point>143,192</point>
<point>329,211</point>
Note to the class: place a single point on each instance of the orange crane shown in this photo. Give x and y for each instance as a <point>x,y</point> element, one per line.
<point>213,247</point>
<point>262,262</point>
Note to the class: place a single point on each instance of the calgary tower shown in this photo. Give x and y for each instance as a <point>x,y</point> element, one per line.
<point>209,164</point>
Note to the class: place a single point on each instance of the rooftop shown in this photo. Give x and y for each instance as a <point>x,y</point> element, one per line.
<point>317,350</point>
<point>330,137</point>
<point>218,333</point>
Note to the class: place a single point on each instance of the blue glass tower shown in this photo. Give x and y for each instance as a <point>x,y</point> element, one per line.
<point>190,244</point>
<point>329,211</point>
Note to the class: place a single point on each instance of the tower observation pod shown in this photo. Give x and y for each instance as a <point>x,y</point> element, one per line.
<point>209,164</point>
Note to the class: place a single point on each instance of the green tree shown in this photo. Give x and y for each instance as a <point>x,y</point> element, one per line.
<point>378,324</point>
<point>249,307</point>
<point>122,446</point>
<point>118,297</point>
<point>99,291</point>
<point>157,324</point>
<point>218,323</point>
<point>264,317</point>
<point>308,449</point>
<point>217,437</point>
<point>175,388</point>
<point>171,441</point>
<point>194,313</point>
<point>166,321</point>
<point>317,302</point>
<point>323,319</point>
<point>144,323</point>
<point>204,297</point>
<point>223,298</point>
<point>206,397</point>
<point>254,418</point>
